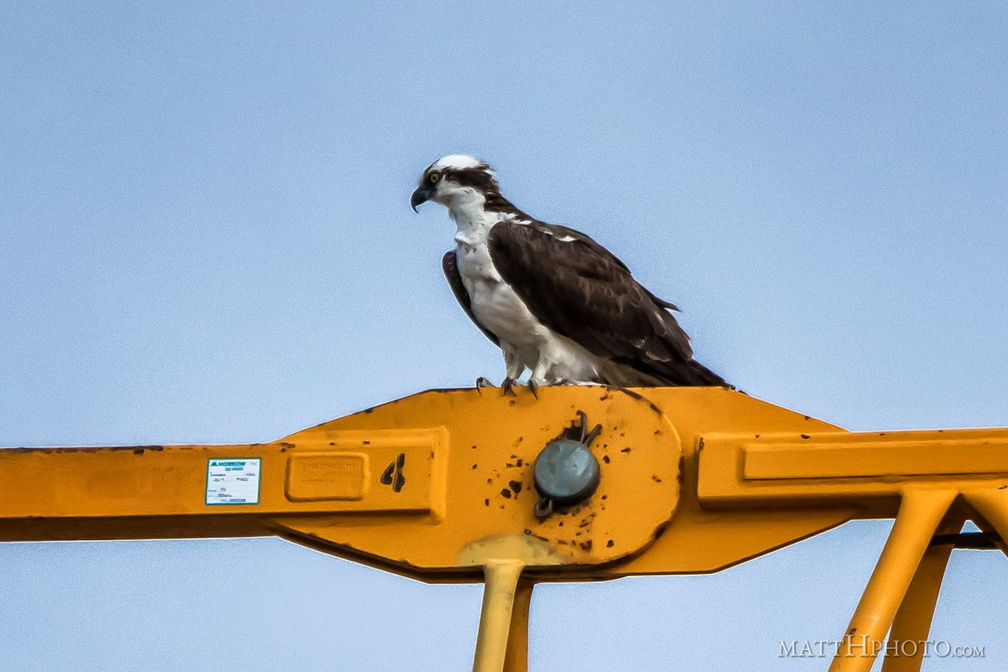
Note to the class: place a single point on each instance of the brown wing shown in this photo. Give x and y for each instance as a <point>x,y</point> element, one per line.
<point>449,263</point>
<point>580,290</point>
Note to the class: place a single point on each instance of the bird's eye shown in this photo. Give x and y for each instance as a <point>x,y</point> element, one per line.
<point>434,177</point>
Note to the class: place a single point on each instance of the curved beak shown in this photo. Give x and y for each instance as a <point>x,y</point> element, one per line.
<point>421,195</point>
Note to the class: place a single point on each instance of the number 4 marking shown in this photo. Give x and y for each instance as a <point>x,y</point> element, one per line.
<point>393,474</point>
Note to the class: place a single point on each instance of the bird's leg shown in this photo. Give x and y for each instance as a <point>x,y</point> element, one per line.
<point>538,378</point>
<point>513,367</point>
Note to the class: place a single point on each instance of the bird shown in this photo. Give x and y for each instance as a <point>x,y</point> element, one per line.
<point>556,302</point>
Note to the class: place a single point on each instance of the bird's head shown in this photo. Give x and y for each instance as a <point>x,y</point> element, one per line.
<point>457,182</point>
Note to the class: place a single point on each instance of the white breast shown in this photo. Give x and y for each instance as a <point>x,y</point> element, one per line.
<point>499,309</point>
<point>494,303</point>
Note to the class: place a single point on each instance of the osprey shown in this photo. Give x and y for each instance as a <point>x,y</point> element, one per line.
<point>554,301</point>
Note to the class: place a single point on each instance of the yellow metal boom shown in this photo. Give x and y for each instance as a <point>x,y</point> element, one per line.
<point>442,487</point>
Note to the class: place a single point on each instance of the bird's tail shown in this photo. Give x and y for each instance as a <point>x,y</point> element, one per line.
<point>654,373</point>
<point>696,374</point>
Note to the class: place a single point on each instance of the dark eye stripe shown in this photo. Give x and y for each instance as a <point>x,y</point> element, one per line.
<point>472,177</point>
<point>483,181</point>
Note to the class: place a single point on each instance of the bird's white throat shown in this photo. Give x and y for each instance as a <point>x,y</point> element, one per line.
<point>472,221</point>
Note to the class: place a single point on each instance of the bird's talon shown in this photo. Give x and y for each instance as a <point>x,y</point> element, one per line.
<point>507,387</point>
<point>534,389</point>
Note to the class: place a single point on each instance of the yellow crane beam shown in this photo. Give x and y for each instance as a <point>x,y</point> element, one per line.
<point>443,486</point>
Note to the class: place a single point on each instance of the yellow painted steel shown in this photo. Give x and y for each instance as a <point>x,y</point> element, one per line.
<point>910,628</point>
<point>921,511</point>
<point>439,486</point>
<point>516,659</point>
<point>496,615</point>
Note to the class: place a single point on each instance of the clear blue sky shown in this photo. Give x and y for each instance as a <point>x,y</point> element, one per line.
<point>205,237</point>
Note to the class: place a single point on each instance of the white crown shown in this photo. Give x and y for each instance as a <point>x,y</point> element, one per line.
<point>457,162</point>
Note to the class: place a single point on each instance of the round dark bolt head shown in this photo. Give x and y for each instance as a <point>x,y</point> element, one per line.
<point>566,472</point>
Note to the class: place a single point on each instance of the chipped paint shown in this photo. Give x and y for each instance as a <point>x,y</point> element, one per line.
<point>530,550</point>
